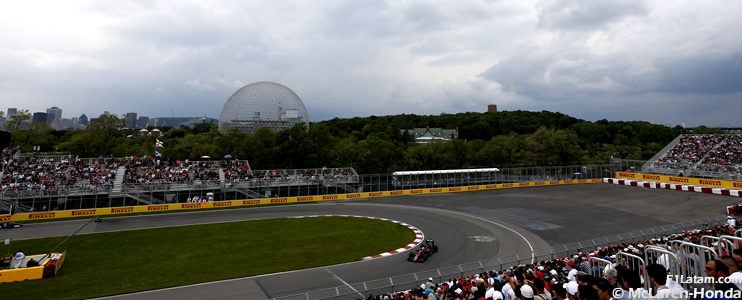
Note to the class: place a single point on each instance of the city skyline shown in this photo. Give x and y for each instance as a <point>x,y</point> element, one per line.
<point>55,118</point>
<point>665,62</point>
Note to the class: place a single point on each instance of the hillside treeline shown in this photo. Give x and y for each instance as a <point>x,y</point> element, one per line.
<point>374,144</point>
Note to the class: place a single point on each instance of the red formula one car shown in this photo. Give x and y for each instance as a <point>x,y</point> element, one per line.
<point>427,248</point>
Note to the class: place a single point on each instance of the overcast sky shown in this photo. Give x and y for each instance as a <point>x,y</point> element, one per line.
<point>659,61</point>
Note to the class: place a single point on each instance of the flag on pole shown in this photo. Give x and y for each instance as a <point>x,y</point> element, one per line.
<point>158,154</point>
<point>159,144</point>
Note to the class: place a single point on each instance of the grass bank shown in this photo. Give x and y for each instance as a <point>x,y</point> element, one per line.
<point>123,262</point>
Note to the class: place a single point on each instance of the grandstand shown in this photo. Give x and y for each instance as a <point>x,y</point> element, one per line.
<point>33,184</point>
<point>705,156</point>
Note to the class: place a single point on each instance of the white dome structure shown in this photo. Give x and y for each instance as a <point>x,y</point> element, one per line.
<point>262,104</point>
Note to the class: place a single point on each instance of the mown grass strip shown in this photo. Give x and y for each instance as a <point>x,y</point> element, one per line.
<point>130,261</point>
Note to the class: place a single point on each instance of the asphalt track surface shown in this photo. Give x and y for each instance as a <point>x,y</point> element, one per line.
<point>467,226</point>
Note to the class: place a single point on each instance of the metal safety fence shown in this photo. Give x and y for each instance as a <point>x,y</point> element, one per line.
<point>499,263</point>
<point>598,266</point>
<point>662,256</point>
<point>276,184</point>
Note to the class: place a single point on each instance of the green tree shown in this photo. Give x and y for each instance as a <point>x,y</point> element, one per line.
<point>498,152</point>
<point>551,147</point>
<point>34,134</point>
<point>15,121</point>
<point>106,130</point>
<point>261,149</point>
<point>80,144</point>
<point>376,155</point>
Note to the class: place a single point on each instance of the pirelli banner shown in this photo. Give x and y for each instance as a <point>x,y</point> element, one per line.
<point>681,180</point>
<point>268,201</point>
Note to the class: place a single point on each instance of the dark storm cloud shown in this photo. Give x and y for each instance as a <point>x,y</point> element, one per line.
<point>701,75</point>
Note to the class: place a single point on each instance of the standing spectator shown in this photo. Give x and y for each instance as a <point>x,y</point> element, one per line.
<point>662,288</point>
<point>493,292</point>
<point>736,276</point>
<point>572,271</point>
<point>19,258</point>
<point>429,284</point>
<point>584,265</point>
<point>731,222</point>
<point>526,292</point>
<point>718,270</point>
<point>559,292</point>
<point>603,288</point>
<point>628,279</point>
<point>507,287</point>
<point>541,294</point>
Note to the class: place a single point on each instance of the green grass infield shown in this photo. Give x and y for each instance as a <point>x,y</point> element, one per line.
<point>123,262</point>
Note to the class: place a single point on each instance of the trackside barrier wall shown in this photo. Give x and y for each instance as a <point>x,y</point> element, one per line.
<point>499,263</point>
<point>633,262</point>
<point>252,202</point>
<point>682,180</point>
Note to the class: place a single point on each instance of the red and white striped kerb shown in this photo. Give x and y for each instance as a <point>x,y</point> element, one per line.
<point>674,186</point>
<point>419,236</point>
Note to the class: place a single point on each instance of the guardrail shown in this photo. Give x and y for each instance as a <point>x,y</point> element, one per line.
<point>409,281</point>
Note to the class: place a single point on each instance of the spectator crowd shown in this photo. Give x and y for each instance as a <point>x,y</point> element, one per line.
<point>44,175</point>
<point>694,154</point>
<point>610,276</point>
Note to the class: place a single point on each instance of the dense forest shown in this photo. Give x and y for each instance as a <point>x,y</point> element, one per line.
<point>372,144</point>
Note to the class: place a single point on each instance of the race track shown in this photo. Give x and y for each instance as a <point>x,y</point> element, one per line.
<point>467,227</point>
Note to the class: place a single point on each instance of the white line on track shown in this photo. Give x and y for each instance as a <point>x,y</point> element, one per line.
<point>345,283</point>
<point>533,257</point>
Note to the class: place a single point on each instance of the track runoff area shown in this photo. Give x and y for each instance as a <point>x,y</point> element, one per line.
<point>367,196</point>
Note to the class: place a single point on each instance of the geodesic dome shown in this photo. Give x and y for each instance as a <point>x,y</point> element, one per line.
<point>262,104</point>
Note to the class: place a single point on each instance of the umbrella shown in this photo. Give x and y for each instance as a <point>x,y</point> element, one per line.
<point>228,156</point>
<point>205,156</point>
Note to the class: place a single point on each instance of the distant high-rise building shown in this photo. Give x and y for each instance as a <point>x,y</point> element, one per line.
<point>131,120</point>
<point>74,122</point>
<point>39,116</point>
<point>53,113</point>
<point>65,123</point>
<point>142,123</point>
<point>83,120</point>
<point>12,111</point>
<point>492,108</point>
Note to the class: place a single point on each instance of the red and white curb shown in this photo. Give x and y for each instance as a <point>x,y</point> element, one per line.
<point>674,186</point>
<point>419,236</point>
